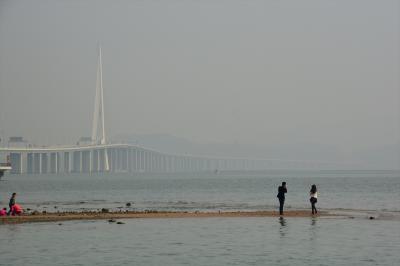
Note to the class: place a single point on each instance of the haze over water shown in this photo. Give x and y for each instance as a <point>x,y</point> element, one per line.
<point>292,80</point>
<point>310,80</point>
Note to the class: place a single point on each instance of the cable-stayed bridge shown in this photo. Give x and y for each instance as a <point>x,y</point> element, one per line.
<point>133,158</point>
<point>100,156</point>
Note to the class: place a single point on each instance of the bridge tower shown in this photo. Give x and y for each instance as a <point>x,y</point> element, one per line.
<point>98,128</point>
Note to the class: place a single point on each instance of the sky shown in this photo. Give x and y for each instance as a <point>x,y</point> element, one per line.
<point>256,73</point>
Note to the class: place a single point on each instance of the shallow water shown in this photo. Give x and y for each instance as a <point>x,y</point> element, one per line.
<point>343,190</point>
<point>206,241</point>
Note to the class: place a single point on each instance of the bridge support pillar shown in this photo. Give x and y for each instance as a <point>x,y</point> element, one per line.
<point>37,163</point>
<point>54,163</point>
<point>45,163</point>
<point>16,163</point>
<point>143,161</point>
<point>102,160</point>
<point>95,161</point>
<point>67,162</point>
<point>129,159</point>
<point>113,160</point>
<point>29,163</point>
<point>86,162</point>
<point>77,162</point>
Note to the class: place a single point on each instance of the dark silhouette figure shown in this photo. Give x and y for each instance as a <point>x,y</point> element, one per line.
<point>11,203</point>
<point>313,198</point>
<point>281,196</point>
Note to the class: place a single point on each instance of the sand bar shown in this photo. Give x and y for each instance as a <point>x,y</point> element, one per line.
<point>68,216</point>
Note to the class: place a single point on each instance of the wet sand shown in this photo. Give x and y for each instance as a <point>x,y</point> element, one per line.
<point>69,216</point>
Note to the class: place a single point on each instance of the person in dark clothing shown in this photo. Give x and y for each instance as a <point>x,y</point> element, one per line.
<point>313,198</point>
<point>11,203</point>
<point>281,196</point>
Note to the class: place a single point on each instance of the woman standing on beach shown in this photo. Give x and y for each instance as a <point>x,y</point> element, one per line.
<point>313,198</point>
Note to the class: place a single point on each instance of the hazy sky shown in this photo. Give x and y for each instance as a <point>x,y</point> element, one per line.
<point>248,72</point>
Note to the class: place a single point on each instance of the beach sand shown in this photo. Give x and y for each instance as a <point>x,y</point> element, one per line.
<point>68,216</point>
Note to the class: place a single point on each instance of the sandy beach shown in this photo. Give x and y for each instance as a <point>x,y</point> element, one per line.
<point>68,216</point>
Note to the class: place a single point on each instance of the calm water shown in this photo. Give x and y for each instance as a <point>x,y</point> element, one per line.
<point>207,241</point>
<point>354,190</point>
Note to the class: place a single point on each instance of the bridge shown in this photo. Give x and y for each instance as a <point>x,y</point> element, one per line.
<point>127,158</point>
<point>115,158</point>
<point>99,156</point>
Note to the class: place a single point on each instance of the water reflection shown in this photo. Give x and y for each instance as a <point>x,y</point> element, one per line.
<point>313,228</point>
<point>313,221</point>
<point>283,227</point>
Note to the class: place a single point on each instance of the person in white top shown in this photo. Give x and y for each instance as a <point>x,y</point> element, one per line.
<point>313,198</point>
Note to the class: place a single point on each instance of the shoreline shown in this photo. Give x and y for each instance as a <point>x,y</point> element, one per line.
<point>75,216</point>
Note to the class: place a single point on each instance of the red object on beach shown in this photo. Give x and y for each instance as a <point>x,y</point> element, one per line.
<point>3,212</point>
<point>16,209</point>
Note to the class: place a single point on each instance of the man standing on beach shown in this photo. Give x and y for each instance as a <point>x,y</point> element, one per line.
<point>281,196</point>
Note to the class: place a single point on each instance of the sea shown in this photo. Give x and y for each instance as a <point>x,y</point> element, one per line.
<point>366,230</point>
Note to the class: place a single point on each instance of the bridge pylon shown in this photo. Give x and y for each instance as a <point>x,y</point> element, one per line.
<point>98,127</point>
